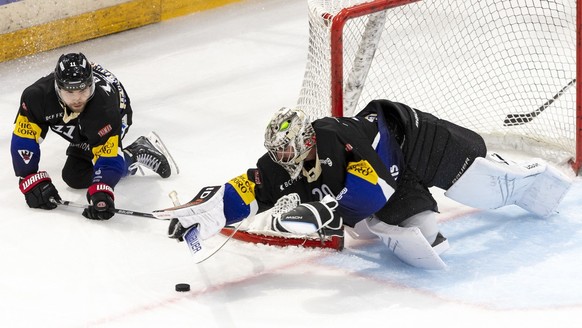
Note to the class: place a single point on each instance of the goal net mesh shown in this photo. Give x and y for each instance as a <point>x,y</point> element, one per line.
<point>472,62</point>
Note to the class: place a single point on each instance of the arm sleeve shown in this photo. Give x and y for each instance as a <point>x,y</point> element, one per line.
<point>104,137</point>
<point>364,194</point>
<point>27,135</point>
<point>239,199</point>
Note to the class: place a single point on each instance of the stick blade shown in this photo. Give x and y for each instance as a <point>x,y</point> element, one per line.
<point>517,119</point>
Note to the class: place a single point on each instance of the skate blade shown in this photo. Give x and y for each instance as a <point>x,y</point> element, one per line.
<point>157,142</point>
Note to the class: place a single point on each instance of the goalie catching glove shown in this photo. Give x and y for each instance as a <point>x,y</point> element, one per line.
<point>308,218</point>
<point>206,211</point>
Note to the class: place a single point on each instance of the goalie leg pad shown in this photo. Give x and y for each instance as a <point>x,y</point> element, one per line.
<point>492,183</point>
<point>408,244</point>
<point>546,192</point>
<point>426,223</point>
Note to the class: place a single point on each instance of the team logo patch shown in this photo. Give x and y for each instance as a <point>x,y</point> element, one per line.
<point>26,155</point>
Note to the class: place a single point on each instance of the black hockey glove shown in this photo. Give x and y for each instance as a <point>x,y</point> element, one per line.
<point>38,191</point>
<point>101,205</point>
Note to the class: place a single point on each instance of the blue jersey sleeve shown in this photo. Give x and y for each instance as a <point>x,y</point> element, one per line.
<point>109,170</point>
<point>25,155</point>
<point>365,192</point>
<point>239,199</point>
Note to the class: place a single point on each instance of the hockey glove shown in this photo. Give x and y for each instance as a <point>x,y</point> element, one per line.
<point>38,191</point>
<point>101,205</point>
<point>308,218</point>
<point>206,210</point>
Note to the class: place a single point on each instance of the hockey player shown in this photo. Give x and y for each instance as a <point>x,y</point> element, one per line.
<point>373,172</point>
<point>85,104</point>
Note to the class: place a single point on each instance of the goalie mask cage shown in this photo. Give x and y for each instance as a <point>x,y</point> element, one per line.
<point>503,68</point>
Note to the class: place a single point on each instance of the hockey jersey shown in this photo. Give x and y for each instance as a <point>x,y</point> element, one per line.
<point>360,162</point>
<point>98,130</point>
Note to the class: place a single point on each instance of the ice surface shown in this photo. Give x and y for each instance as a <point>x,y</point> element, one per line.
<point>208,83</point>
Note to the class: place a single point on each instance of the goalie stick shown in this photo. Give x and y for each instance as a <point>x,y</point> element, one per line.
<point>519,119</point>
<point>116,210</point>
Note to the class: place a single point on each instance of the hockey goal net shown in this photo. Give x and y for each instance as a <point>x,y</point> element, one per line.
<point>506,69</point>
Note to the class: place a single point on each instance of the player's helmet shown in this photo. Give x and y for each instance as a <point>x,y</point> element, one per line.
<point>289,138</point>
<point>74,72</point>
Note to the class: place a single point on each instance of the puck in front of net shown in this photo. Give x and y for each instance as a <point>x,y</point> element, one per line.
<point>182,287</point>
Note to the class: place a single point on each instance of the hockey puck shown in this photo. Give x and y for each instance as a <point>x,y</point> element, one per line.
<point>182,287</point>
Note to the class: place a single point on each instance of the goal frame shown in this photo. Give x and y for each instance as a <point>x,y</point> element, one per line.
<point>337,71</point>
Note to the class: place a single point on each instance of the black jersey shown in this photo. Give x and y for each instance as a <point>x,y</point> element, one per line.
<point>98,130</point>
<point>380,162</point>
<point>359,166</point>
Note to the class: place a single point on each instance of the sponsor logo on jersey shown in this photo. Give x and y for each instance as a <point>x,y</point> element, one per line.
<point>394,171</point>
<point>108,149</point>
<point>326,161</point>
<point>106,88</point>
<point>106,129</point>
<point>364,170</point>
<point>289,182</point>
<point>53,116</point>
<point>97,176</point>
<point>26,129</point>
<point>26,155</point>
<point>244,187</point>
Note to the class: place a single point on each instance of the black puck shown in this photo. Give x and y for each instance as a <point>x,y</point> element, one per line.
<point>182,287</point>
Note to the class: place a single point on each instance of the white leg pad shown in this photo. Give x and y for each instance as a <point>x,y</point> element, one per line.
<point>408,244</point>
<point>426,222</point>
<point>546,192</point>
<point>493,183</point>
<point>360,231</point>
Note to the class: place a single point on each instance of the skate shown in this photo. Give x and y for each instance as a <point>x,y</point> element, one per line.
<point>143,153</point>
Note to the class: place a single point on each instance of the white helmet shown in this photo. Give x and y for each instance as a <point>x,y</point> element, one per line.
<point>289,138</point>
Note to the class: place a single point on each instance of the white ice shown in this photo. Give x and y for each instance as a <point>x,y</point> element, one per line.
<point>208,83</point>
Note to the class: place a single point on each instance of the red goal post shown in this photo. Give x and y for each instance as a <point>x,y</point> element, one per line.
<point>506,69</point>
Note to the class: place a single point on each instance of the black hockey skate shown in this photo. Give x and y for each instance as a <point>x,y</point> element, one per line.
<point>143,153</point>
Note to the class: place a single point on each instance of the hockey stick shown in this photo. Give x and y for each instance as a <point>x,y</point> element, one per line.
<point>116,210</point>
<point>519,119</point>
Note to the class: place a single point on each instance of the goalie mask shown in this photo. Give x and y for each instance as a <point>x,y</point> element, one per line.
<point>289,138</point>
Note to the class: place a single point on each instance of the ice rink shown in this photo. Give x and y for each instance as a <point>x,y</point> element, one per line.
<point>208,83</point>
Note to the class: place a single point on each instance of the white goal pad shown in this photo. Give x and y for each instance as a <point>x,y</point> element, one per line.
<point>492,182</point>
<point>408,244</point>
